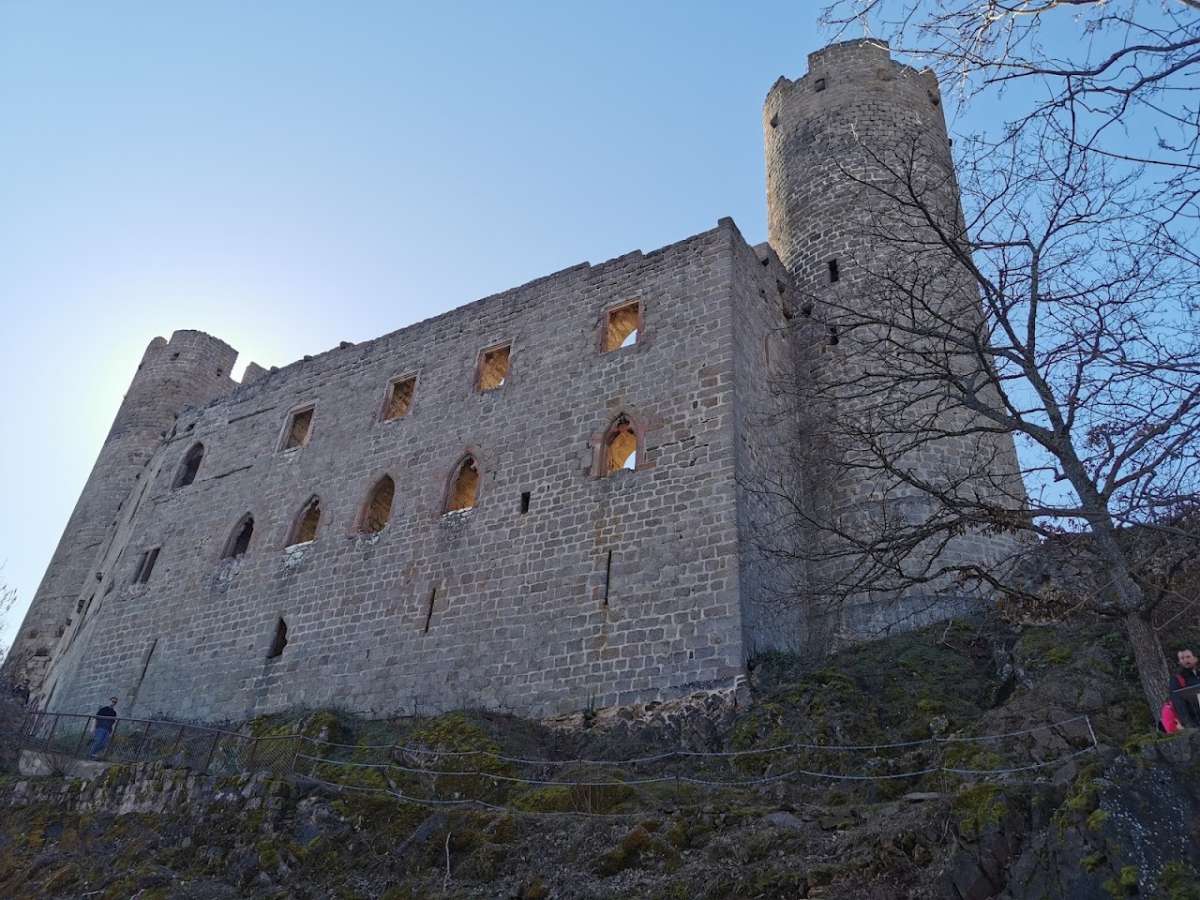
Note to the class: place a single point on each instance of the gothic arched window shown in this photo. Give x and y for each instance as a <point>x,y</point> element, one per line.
<point>464,485</point>
<point>620,447</point>
<point>305,527</point>
<point>189,467</point>
<point>378,508</point>
<point>239,539</point>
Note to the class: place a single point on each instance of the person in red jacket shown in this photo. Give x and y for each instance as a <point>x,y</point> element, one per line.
<point>1187,711</point>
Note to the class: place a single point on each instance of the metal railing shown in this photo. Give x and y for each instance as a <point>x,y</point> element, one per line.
<point>435,775</point>
<point>212,751</point>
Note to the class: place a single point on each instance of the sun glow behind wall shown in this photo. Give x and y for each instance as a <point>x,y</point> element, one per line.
<point>288,176</point>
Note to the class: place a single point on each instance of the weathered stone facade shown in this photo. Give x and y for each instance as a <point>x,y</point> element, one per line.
<point>562,584</point>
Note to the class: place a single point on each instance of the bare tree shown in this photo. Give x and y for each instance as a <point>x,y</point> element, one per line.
<point>8,599</point>
<point>1057,304</point>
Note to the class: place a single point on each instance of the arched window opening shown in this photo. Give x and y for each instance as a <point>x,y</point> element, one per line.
<point>305,529</point>
<point>464,487</point>
<point>239,541</point>
<point>620,447</point>
<point>189,467</point>
<point>279,641</point>
<point>379,506</point>
<point>622,326</point>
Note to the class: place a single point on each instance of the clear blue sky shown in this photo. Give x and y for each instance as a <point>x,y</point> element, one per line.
<point>285,176</point>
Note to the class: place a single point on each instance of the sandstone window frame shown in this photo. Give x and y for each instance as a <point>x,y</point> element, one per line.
<point>605,344</point>
<point>483,379</point>
<point>368,513</point>
<point>286,444</point>
<point>234,547</point>
<point>385,408</point>
<point>306,524</point>
<point>189,466</point>
<point>451,494</point>
<point>622,423</point>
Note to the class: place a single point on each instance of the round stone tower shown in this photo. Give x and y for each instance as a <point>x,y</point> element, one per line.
<point>857,126</point>
<point>855,110</point>
<point>189,370</point>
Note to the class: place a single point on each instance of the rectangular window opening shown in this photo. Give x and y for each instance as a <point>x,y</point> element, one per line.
<point>621,326</point>
<point>299,429</point>
<point>819,85</point>
<point>525,498</point>
<point>493,368</point>
<point>146,565</point>
<point>279,641</point>
<point>834,274</point>
<point>399,398</point>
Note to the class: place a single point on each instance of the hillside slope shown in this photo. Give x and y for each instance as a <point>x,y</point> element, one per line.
<point>753,809</point>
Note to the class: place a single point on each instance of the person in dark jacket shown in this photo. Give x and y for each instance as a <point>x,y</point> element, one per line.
<point>106,721</point>
<point>1187,711</point>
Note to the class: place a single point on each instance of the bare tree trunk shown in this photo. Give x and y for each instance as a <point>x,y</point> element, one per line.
<point>1153,672</point>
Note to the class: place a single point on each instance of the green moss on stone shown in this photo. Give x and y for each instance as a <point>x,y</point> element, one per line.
<point>977,807</point>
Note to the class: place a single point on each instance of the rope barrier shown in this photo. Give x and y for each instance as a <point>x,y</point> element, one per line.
<point>640,814</point>
<point>1040,765</point>
<point>689,779</point>
<point>672,754</point>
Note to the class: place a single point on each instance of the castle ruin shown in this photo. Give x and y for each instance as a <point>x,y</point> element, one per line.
<point>538,501</point>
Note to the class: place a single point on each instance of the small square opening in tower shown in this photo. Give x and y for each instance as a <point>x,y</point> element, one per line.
<point>493,368</point>
<point>819,85</point>
<point>621,326</point>
<point>399,398</point>
<point>299,429</point>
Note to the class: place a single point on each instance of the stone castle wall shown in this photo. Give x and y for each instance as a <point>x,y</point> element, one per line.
<point>563,586</point>
<point>608,588</point>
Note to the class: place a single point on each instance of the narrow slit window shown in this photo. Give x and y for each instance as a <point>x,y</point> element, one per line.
<point>239,541</point>
<point>621,326</point>
<point>279,640</point>
<point>620,447</point>
<point>465,487</point>
<point>146,565</point>
<point>493,368</point>
<point>525,498</point>
<point>307,522</point>
<point>189,467</point>
<point>607,576</point>
<point>429,610</point>
<point>299,429</point>
<point>399,398</point>
<point>378,509</point>
<point>834,274</point>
